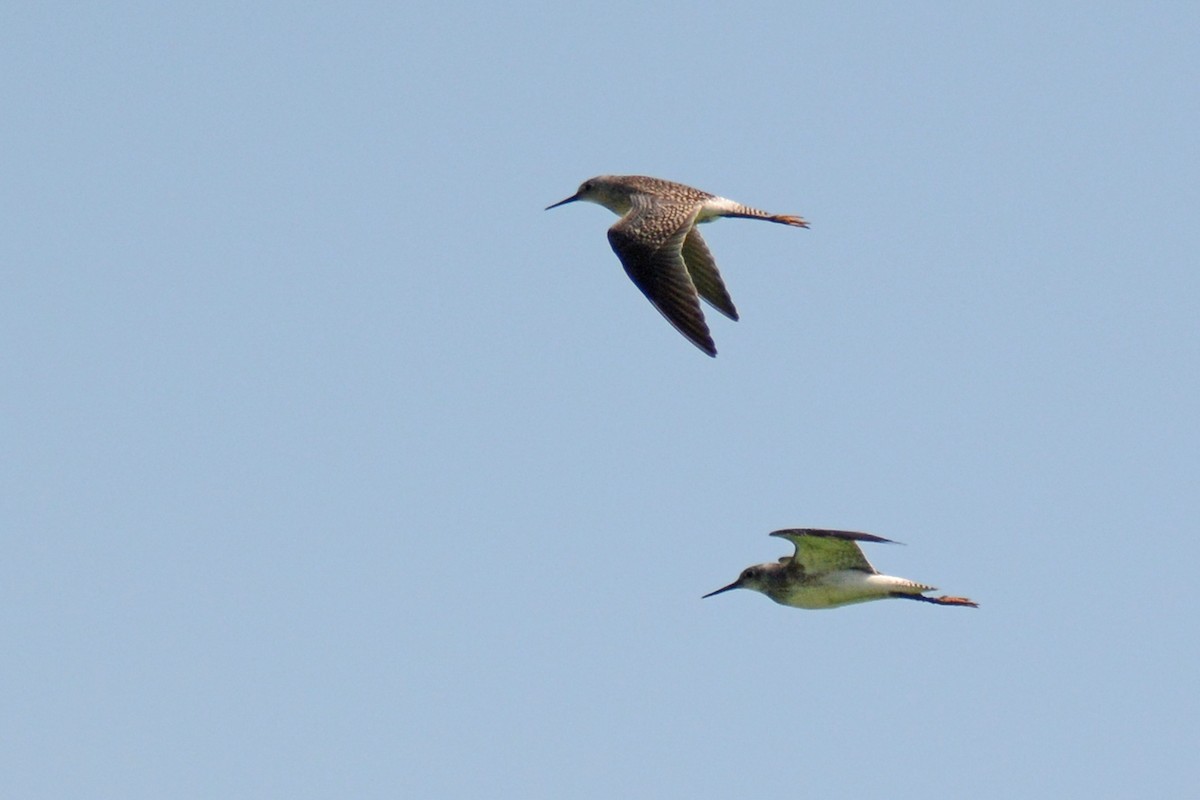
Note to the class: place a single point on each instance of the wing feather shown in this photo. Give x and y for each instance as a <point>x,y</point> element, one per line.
<point>649,242</point>
<point>820,551</point>
<point>705,275</point>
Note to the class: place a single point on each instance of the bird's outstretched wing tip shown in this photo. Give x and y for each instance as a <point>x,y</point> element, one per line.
<point>828,533</point>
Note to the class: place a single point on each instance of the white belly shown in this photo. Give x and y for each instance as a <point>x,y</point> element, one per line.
<point>850,586</point>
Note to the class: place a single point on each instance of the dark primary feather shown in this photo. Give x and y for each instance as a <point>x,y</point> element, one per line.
<point>652,259</point>
<point>705,276</point>
<point>853,536</point>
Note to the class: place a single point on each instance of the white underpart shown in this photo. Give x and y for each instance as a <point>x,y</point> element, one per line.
<point>851,586</point>
<point>717,207</point>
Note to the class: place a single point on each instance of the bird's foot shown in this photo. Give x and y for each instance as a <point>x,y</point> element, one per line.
<point>946,600</point>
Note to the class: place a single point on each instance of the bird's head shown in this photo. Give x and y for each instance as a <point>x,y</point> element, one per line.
<point>757,578</point>
<point>604,190</point>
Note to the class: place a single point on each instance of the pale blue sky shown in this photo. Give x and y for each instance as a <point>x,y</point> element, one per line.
<point>335,467</point>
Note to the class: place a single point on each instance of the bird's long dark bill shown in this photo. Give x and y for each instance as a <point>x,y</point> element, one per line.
<point>734,585</point>
<point>570,199</point>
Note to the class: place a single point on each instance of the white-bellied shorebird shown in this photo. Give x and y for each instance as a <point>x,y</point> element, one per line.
<point>661,250</point>
<point>830,570</point>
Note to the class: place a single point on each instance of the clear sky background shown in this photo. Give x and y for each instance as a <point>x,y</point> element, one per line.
<point>336,467</point>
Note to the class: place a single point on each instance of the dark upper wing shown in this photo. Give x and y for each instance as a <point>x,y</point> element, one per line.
<point>707,279</point>
<point>819,551</point>
<point>648,241</point>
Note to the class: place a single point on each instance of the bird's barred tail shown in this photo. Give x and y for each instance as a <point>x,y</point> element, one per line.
<point>723,207</point>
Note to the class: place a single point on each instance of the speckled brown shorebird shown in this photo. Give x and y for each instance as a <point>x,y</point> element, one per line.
<point>830,570</point>
<point>661,250</point>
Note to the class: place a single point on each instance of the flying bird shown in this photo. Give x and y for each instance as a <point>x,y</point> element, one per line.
<point>662,252</point>
<point>830,570</point>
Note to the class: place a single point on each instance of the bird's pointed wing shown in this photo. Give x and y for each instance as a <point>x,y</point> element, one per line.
<point>648,240</point>
<point>821,551</point>
<point>707,279</point>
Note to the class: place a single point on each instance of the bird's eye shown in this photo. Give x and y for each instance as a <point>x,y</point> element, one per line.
<point>587,186</point>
